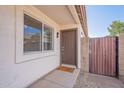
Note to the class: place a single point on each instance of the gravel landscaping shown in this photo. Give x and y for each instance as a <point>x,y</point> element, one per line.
<point>88,80</point>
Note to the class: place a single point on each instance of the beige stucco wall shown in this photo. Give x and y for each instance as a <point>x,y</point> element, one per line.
<point>84,54</point>
<point>121,56</point>
<point>17,69</point>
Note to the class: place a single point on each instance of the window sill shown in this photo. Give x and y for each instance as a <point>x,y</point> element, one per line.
<point>34,56</point>
<point>38,52</point>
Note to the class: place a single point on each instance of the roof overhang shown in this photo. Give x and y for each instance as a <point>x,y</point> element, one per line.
<point>59,13</point>
<point>66,15</point>
<point>81,11</point>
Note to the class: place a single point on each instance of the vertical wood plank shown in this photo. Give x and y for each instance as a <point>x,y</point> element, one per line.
<point>103,56</point>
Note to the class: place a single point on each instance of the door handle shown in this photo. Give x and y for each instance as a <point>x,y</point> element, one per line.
<point>62,48</point>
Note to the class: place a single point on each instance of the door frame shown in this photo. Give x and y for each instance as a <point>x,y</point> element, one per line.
<point>76,38</point>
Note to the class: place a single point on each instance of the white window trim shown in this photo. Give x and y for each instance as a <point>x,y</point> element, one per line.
<point>20,55</point>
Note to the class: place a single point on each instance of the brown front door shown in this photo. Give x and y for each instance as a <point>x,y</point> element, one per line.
<point>68,47</point>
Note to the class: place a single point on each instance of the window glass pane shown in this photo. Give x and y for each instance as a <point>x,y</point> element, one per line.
<point>48,38</point>
<point>32,34</point>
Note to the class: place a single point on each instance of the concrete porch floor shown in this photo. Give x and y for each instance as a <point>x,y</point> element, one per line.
<point>57,79</point>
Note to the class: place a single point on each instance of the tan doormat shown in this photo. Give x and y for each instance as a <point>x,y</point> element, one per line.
<point>67,69</point>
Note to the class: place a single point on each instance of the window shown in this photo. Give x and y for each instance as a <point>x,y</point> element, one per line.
<point>33,35</point>
<point>48,38</point>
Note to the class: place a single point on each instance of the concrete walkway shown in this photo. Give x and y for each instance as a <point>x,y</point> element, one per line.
<point>87,80</point>
<point>57,79</point>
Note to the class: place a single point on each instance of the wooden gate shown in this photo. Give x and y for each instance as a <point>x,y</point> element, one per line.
<point>103,56</point>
